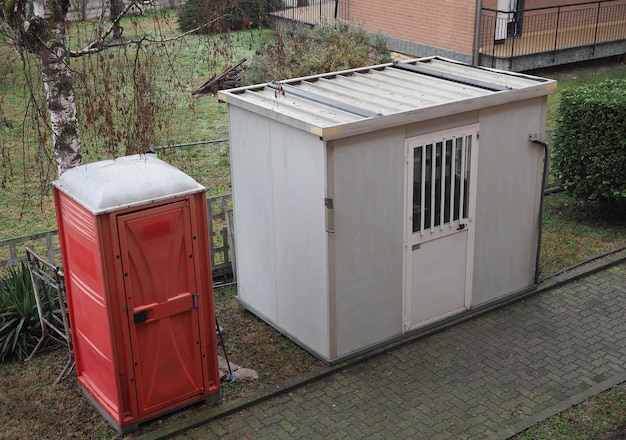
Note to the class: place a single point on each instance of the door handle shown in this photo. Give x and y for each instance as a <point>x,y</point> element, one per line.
<point>140,317</point>
<point>461,227</point>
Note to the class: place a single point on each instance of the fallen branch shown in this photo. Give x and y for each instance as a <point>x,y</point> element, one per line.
<point>225,80</point>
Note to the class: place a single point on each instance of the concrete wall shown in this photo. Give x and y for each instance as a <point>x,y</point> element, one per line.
<point>549,59</point>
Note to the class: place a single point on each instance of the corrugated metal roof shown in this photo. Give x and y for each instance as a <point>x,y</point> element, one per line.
<point>340,104</point>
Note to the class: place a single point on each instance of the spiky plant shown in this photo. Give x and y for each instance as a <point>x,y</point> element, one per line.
<point>19,319</point>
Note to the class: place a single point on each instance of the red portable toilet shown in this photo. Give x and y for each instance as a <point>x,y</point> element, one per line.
<point>134,240</point>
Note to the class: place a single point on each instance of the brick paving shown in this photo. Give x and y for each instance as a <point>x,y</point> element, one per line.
<point>488,377</point>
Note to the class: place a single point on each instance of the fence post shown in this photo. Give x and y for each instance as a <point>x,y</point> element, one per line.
<point>556,34</point>
<point>595,34</point>
<point>228,217</point>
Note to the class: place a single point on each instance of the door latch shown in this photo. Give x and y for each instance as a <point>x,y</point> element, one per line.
<point>461,227</point>
<point>140,317</point>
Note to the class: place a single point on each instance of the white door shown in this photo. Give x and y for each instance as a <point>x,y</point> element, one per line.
<point>440,190</point>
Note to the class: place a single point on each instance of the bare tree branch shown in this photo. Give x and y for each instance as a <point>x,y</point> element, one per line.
<point>100,44</point>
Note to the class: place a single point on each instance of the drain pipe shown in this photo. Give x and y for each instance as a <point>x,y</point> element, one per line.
<point>479,13</point>
<point>546,148</point>
<point>546,157</point>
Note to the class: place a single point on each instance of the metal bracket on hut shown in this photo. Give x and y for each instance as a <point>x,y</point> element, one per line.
<point>223,81</point>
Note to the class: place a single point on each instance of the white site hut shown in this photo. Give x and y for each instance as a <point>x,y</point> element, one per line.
<point>376,201</point>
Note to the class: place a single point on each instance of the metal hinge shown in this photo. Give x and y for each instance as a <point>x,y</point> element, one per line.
<point>330,215</point>
<point>194,301</point>
<point>125,307</point>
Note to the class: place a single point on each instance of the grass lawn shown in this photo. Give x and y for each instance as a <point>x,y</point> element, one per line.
<point>604,413</point>
<point>179,68</point>
<point>575,230</point>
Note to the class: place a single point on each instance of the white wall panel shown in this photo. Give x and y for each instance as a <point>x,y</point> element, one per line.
<point>507,199</point>
<point>251,170</point>
<point>369,179</point>
<point>298,171</point>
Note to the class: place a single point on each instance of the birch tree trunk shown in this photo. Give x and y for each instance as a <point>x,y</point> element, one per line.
<point>38,27</point>
<point>50,48</point>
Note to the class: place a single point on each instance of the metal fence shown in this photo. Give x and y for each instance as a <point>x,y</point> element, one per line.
<point>303,11</point>
<point>507,34</point>
<point>307,11</point>
<point>220,214</point>
<point>46,244</point>
<point>13,251</point>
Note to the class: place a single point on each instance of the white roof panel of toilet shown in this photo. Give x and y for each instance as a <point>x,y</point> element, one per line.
<point>125,182</point>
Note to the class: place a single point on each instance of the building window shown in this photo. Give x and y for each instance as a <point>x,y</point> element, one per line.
<point>441,183</point>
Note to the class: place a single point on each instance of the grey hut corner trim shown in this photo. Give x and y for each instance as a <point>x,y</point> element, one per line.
<point>333,103</point>
<point>478,69</point>
<point>451,77</point>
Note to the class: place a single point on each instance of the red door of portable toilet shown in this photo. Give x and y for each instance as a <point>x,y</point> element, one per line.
<point>135,247</point>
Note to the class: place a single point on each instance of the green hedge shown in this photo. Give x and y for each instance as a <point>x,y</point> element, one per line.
<point>590,141</point>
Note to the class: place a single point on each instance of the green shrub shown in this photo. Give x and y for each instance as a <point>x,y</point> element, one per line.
<point>313,50</point>
<point>20,328</point>
<point>590,141</point>
<point>224,15</point>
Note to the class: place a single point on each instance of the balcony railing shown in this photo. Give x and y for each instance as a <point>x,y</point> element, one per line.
<point>507,34</point>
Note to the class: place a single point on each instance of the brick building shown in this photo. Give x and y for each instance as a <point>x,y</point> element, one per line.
<point>507,34</point>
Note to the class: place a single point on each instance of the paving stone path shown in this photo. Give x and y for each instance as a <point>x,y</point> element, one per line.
<point>488,377</point>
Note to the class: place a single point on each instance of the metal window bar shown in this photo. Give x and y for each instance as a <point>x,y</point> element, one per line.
<point>443,186</point>
<point>433,179</point>
<point>423,190</point>
<point>468,173</point>
<point>54,327</point>
<point>462,177</point>
<point>441,183</point>
<point>441,179</point>
<point>452,183</point>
